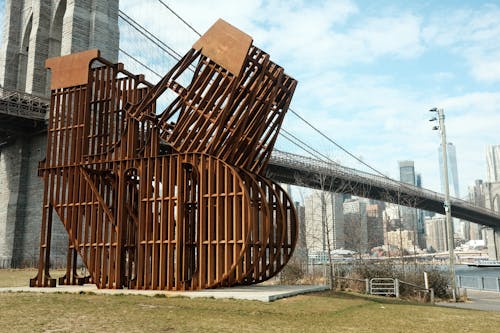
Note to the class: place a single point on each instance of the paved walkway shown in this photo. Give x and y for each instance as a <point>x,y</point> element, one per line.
<point>264,293</point>
<point>478,300</point>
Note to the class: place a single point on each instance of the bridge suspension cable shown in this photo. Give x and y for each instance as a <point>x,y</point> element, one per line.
<point>149,35</point>
<point>140,63</point>
<point>180,18</point>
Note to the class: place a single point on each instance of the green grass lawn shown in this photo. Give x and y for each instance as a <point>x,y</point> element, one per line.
<point>21,277</point>
<point>320,312</point>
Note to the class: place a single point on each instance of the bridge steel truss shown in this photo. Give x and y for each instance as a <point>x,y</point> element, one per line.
<point>304,171</point>
<point>20,113</point>
<point>176,200</point>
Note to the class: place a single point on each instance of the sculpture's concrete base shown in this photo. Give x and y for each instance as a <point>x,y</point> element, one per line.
<point>263,293</point>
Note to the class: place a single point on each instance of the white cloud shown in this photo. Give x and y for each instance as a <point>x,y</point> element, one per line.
<point>470,34</point>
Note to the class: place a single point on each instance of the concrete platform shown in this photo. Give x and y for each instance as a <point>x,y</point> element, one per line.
<point>263,293</point>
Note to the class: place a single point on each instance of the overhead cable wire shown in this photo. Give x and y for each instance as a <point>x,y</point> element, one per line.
<point>292,141</point>
<point>149,35</point>
<point>180,18</point>
<point>140,62</point>
<point>317,152</point>
<point>335,143</point>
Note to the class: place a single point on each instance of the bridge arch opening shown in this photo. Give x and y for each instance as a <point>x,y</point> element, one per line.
<point>56,28</point>
<point>23,56</point>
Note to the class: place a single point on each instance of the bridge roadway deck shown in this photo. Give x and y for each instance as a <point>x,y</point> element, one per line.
<point>303,171</point>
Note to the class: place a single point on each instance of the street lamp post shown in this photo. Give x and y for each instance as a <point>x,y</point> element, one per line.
<point>447,205</point>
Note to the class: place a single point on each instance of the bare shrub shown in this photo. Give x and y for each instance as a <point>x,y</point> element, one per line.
<point>292,273</point>
<point>412,275</point>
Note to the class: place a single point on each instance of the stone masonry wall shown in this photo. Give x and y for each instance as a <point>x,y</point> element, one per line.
<point>32,29</point>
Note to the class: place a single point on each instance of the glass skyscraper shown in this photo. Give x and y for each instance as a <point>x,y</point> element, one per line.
<point>452,170</point>
<point>408,214</point>
<point>407,172</point>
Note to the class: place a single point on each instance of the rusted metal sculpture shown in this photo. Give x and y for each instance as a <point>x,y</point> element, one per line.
<point>174,200</point>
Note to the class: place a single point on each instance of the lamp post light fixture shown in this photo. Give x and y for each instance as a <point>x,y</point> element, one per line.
<point>446,204</point>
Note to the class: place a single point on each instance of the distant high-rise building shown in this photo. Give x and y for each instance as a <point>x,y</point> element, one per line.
<point>435,232</point>
<point>418,180</point>
<point>452,169</point>
<point>476,193</point>
<point>375,228</point>
<point>404,239</point>
<point>420,218</point>
<point>493,163</point>
<point>324,221</point>
<point>301,247</point>
<point>477,196</point>
<point>408,214</point>
<point>355,225</point>
<point>407,172</point>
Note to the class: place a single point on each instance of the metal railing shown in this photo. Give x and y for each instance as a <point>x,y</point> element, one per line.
<point>487,283</point>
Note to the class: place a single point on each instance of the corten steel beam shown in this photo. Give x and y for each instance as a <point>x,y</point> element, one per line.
<point>174,200</point>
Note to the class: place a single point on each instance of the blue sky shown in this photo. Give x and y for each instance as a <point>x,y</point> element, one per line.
<point>368,71</point>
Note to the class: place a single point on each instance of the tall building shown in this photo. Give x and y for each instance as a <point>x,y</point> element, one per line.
<point>35,30</point>
<point>477,197</point>
<point>300,252</point>
<point>324,221</point>
<point>420,218</point>
<point>452,170</point>
<point>408,214</point>
<point>407,172</point>
<point>374,225</point>
<point>356,225</point>
<point>401,239</point>
<point>493,163</point>
<point>435,232</point>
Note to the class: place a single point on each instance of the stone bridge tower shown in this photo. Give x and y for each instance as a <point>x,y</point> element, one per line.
<point>33,31</point>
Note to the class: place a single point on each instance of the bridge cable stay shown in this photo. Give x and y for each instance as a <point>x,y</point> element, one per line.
<point>180,18</point>
<point>294,139</point>
<point>140,63</point>
<point>149,35</point>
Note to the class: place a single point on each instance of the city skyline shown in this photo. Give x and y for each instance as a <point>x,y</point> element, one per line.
<point>368,72</point>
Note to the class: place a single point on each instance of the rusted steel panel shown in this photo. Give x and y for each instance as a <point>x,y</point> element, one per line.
<point>226,45</point>
<point>175,200</point>
<point>70,71</point>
